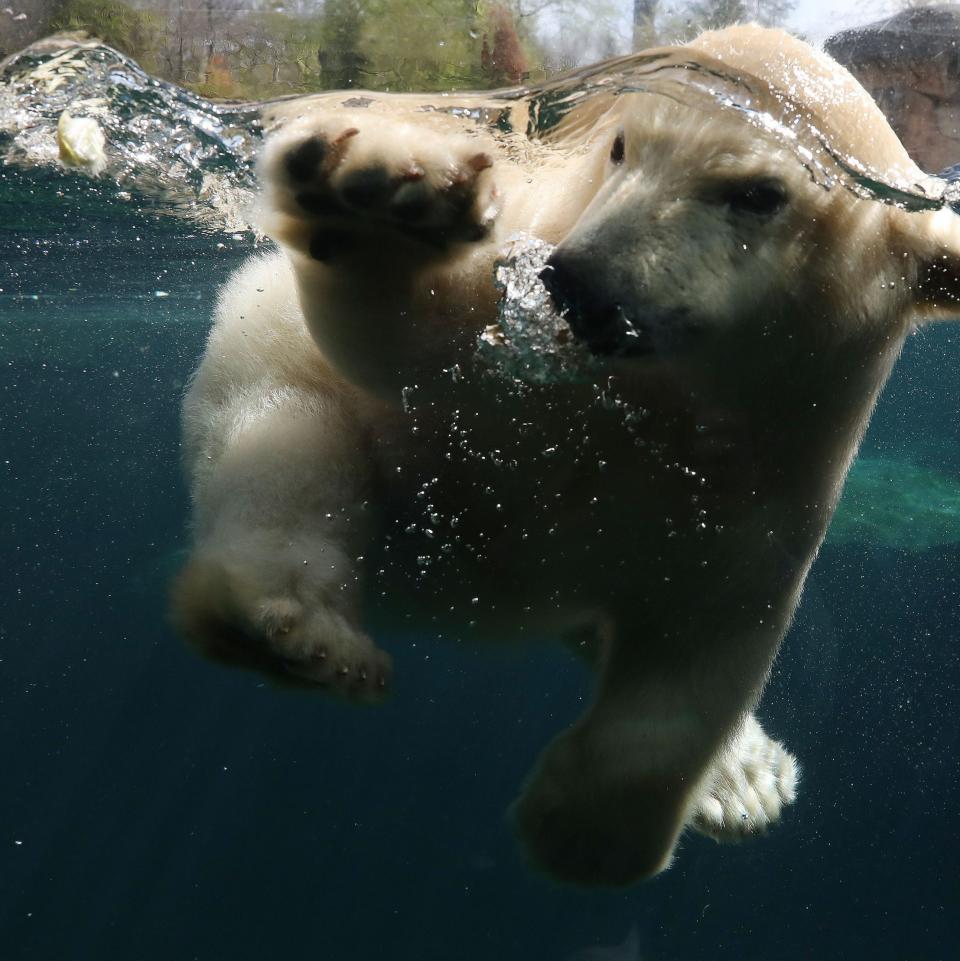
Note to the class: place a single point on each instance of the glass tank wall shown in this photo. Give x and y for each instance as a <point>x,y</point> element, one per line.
<point>158,805</point>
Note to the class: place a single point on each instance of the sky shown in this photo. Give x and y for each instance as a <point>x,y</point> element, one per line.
<point>815,20</point>
<point>818,19</point>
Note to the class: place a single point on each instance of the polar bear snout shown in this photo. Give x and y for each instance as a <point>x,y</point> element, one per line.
<point>601,323</point>
<point>566,280</point>
<point>577,286</point>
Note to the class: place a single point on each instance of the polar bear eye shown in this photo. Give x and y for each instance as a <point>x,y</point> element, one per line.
<point>617,150</point>
<point>763,198</point>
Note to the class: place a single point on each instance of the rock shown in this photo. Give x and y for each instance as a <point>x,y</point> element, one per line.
<point>23,21</point>
<point>910,64</point>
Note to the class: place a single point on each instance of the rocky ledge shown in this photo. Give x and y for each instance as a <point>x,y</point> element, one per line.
<point>910,64</point>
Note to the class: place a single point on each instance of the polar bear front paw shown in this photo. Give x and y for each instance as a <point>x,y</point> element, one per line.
<point>337,181</point>
<point>293,636</point>
<point>751,782</point>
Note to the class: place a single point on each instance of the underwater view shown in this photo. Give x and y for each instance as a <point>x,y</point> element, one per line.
<point>157,805</point>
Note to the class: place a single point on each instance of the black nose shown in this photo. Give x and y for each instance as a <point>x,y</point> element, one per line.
<point>565,277</point>
<point>577,293</point>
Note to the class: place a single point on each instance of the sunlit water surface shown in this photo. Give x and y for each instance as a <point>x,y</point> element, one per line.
<point>158,808</point>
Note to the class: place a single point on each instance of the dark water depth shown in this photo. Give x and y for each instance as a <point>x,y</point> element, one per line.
<point>155,808</point>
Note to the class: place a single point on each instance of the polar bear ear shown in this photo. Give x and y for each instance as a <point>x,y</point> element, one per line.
<point>934,239</point>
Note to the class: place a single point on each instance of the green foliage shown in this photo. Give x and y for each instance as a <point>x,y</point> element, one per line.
<point>430,45</point>
<point>134,32</point>
<point>338,55</point>
<point>255,49</point>
<point>373,44</point>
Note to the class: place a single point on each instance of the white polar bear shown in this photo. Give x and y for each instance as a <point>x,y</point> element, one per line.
<point>351,464</point>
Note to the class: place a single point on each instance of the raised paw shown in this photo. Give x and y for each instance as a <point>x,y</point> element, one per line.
<point>752,780</point>
<point>297,638</point>
<point>337,182</point>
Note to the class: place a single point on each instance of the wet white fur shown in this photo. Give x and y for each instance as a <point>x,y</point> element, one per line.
<point>294,427</point>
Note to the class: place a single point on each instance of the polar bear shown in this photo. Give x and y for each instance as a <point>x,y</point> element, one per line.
<point>744,291</point>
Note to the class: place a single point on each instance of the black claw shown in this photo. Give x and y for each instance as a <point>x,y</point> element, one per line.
<point>302,162</point>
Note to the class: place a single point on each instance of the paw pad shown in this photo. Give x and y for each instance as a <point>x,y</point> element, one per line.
<point>316,156</point>
<point>339,190</point>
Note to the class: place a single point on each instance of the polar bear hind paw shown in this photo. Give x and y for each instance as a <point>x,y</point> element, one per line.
<point>752,781</point>
<point>335,180</point>
<point>320,649</point>
<point>295,641</point>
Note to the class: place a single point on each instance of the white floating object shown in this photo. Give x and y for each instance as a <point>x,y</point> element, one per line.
<point>81,143</point>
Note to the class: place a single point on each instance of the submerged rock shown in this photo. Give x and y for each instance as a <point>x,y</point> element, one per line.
<point>892,503</point>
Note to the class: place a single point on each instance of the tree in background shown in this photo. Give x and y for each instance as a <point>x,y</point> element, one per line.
<point>446,44</point>
<point>338,56</point>
<point>685,20</point>
<point>220,82</point>
<point>505,61</point>
<point>713,14</point>
<point>267,48</point>
<point>771,13</point>
<point>582,33</point>
<point>134,32</point>
<point>427,45</point>
<point>645,23</point>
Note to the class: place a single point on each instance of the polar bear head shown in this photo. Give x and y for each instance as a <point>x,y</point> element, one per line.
<point>780,220</point>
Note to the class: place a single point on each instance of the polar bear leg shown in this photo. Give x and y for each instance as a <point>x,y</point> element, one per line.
<point>748,786</point>
<point>271,583</point>
<point>752,778</point>
<point>382,221</point>
<point>609,797</point>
